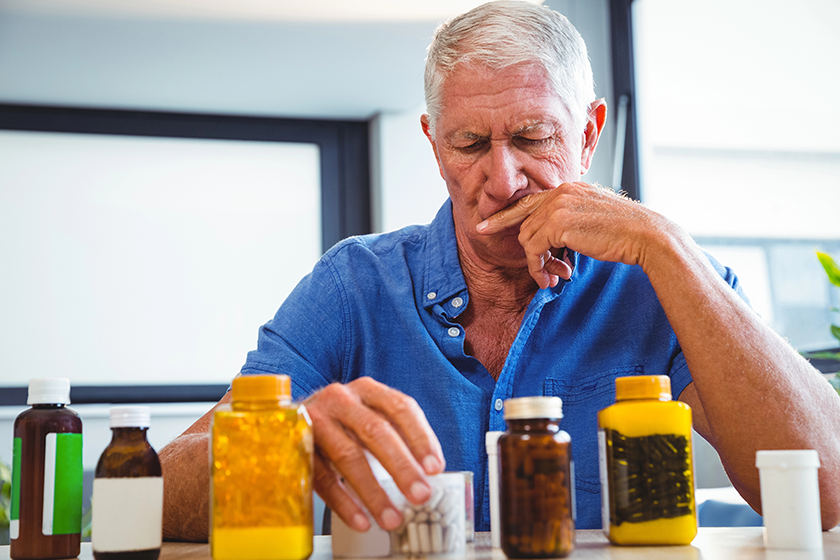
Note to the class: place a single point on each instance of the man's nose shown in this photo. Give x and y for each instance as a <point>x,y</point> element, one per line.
<point>504,172</point>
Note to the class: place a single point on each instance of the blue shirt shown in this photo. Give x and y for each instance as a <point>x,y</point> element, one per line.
<point>384,306</point>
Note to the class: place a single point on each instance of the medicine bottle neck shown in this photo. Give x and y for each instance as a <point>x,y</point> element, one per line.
<point>534,425</point>
<point>663,398</point>
<point>129,434</point>
<point>48,406</point>
<point>255,405</point>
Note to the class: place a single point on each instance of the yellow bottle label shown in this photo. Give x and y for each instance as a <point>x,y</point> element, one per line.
<point>262,543</point>
<point>647,472</point>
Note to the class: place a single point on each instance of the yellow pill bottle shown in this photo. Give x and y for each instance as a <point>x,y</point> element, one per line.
<point>261,455</point>
<point>647,474</point>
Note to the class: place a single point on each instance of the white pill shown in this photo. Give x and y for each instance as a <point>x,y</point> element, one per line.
<point>434,517</point>
<point>449,539</point>
<point>421,517</point>
<point>437,494</point>
<point>408,515</point>
<point>413,538</point>
<point>451,516</point>
<point>437,537</point>
<point>425,538</point>
<point>446,503</point>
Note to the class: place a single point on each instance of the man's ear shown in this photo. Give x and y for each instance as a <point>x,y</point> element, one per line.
<point>596,118</point>
<point>424,122</point>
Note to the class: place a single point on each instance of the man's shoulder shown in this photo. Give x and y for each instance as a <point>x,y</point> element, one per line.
<point>403,241</point>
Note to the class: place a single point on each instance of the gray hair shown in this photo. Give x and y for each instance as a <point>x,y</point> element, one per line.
<point>505,33</point>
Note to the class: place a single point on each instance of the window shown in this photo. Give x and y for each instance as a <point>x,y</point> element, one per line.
<point>738,118</point>
<point>142,251</point>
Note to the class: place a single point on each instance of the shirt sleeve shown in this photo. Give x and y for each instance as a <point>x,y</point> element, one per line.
<point>305,339</point>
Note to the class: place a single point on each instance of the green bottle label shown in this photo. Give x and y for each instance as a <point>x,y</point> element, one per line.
<point>62,484</point>
<point>14,526</point>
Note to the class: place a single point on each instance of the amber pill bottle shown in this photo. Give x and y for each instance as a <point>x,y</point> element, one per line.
<point>647,478</point>
<point>261,453</point>
<point>536,472</point>
<point>128,491</point>
<point>46,510</point>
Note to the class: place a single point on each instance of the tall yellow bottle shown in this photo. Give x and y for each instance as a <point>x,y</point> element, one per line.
<point>261,474</point>
<point>647,475</point>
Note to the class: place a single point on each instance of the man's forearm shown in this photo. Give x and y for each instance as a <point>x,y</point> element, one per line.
<point>186,490</point>
<point>755,391</point>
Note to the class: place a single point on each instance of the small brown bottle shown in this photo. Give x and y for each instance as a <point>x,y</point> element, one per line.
<point>46,512</point>
<point>536,498</point>
<point>128,491</point>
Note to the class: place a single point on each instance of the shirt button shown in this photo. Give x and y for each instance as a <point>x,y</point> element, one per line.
<point>457,302</point>
<point>431,295</point>
<point>454,331</point>
<point>499,404</point>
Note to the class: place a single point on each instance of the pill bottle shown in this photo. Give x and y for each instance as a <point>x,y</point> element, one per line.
<point>261,452</point>
<point>647,478</point>
<point>536,477</point>
<point>127,491</point>
<point>46,509</point>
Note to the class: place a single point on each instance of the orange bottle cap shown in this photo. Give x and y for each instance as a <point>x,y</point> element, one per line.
<point>656,387</point>
<point>262,388</point>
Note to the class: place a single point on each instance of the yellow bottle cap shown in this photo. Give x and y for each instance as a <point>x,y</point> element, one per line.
<point>657,387</point>
<point>262,388</point>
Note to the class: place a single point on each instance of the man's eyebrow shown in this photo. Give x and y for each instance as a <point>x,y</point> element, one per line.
<point>531,127</point>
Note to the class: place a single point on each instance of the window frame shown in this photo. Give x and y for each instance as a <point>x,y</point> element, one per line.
<point>345,193</point>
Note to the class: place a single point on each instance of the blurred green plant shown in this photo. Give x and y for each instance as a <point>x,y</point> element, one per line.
<point>5,502</point>
<point>833,272</point>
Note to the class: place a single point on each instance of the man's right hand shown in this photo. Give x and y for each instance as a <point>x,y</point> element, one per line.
<point>365,414</point>
<point>346,420</point>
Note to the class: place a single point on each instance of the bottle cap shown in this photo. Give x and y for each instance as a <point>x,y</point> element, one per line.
<point>49,390</point>
<point>491,442</point>
<point>130,416</point>
<point>656,387</point>
<point>533,407</point>
<point>787,459</point>
<point>262,388</point>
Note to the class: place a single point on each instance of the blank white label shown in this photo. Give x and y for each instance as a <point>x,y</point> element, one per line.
<point>127,514</point>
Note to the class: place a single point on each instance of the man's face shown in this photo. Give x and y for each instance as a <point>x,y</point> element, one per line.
<point>502,135</point>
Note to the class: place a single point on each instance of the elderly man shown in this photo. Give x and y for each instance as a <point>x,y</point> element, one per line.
<point>527,282</point>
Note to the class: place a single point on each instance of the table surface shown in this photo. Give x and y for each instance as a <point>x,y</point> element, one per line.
<point>735,543</point>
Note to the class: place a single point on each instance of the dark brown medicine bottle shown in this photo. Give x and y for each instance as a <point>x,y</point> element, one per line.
<point>46,512</point>
<point>128,491</point>
<point>536,471</point>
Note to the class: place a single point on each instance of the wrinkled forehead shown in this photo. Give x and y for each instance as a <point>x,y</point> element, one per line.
<point>522,92</point>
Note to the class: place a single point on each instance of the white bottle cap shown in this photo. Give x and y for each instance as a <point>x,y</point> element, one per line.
<point>49,390</point>
<point>130,416</point>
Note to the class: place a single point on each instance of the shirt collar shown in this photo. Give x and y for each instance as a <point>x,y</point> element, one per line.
<point>443,278</point>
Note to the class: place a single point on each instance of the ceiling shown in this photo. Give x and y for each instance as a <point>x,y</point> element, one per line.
<point>328,59</point>
<point>279,10</point>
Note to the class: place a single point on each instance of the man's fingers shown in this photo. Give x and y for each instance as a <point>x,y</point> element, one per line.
<point>346,454</point>
<point>326,483</point>
<point>365,414</point>
<point>513,215</point>
<point>405,414</point>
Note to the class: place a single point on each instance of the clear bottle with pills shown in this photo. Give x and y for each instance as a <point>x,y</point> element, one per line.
<point>536,479</point>
<point>647,479</point>
<point>46,509</point>
<point>127,497</point>
<point>261,473</point>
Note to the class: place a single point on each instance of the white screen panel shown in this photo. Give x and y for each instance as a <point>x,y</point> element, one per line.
<point>131,260</point>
